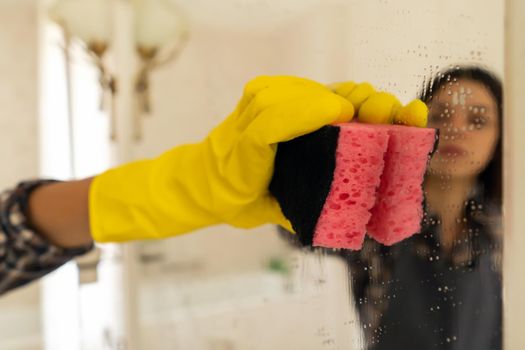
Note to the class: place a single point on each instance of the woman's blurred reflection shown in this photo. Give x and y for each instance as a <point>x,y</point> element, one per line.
<point>441,289</point>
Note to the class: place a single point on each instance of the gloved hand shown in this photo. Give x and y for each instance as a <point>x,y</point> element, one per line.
<point>381,107</point>
<point>222,179</point>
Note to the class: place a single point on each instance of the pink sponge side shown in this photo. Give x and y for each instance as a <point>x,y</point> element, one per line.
<point>359,164</point>
<point>398,210</point>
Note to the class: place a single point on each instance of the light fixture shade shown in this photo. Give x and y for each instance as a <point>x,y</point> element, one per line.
<point>157,22</point>
<point>88,20</point>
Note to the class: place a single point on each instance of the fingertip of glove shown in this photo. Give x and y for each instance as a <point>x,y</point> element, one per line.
<point>347,110</point>
<point>414,113</point>
<point>285,223</point>
<point>379,108</point>
<point>360,93</point>
<point>288,226</point>
<point>342,88</point>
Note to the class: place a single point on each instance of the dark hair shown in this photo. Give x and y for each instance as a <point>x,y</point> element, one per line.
<point>491,177</point>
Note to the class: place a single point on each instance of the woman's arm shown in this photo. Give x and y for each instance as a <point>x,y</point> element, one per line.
<point>25,253</point>
<point>59,213</point>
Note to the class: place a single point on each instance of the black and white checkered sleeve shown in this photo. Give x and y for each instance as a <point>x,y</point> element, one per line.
<point>25,255</point>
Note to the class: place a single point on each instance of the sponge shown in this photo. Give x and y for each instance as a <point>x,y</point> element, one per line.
<point>398,210</point>
<point>326,182</point>
<point>343,180</point>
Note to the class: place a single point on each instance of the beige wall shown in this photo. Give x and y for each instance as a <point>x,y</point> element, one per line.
<point>18,91</point>
<point>392,44</point>
<point>20,310</point>
<point>514,195</point>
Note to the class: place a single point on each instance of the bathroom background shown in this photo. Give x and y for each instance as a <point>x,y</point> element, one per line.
<point>219,288</point>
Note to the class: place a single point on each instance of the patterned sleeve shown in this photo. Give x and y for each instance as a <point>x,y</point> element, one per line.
<point>25,255</point>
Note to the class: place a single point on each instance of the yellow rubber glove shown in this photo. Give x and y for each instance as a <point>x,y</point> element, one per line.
<point>222,179</point>
<point>381,107</point>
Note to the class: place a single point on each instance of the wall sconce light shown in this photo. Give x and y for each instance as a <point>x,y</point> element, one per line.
<point>87,23</point>
<point>160,34</point>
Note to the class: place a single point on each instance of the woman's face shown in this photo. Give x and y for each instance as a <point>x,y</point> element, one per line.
<point>467,115</point>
